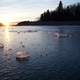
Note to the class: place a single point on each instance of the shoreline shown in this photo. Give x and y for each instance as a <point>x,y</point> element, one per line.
<point>55,23</point>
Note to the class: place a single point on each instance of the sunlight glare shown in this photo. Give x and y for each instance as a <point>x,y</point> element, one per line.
<point>6,20</point>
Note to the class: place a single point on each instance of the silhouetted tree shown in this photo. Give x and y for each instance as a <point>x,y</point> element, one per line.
<point>60,7</point>
<point>70,13</point>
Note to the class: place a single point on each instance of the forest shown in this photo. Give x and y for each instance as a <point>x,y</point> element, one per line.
<point>69,13</point>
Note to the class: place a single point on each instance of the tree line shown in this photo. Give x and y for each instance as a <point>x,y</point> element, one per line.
<point>69,13</point>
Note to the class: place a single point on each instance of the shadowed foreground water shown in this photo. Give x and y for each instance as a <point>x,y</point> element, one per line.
<point>51,58</point>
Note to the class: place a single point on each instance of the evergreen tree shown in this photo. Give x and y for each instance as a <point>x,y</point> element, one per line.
<point>70,13</point>
<point>60,7</point>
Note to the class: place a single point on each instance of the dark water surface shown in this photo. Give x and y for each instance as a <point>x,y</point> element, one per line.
<point>51,58</point>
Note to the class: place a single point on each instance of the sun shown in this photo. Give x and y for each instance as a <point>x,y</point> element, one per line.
<point>6,21</point>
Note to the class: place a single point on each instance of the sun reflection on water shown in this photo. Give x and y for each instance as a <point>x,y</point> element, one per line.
<point>6,39</point>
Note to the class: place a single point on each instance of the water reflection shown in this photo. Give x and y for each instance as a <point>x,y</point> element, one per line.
<point>7,49</point>
<point>55,57</point>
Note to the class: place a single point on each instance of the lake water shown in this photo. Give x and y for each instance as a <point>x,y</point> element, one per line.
<point>51,57</point>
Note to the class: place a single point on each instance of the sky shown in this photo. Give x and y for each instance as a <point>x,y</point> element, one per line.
<point>20,10</point>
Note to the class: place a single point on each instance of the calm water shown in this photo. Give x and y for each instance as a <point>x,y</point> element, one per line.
<point>51,58</point>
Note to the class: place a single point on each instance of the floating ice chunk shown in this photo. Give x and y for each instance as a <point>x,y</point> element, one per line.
<point>32,31</point>
<point>61,35</point>
<point>18,32</point>
<point>23,46</point>
<point>1,45</point>
<point>9,49</point>
<point>22,56</point>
